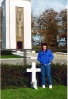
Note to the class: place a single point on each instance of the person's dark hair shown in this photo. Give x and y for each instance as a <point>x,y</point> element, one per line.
<point>44,44</point>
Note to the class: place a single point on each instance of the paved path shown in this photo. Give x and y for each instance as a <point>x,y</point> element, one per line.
<point>58,58</point>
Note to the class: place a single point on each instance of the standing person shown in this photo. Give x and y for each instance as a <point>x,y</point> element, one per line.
<point>45,57</point>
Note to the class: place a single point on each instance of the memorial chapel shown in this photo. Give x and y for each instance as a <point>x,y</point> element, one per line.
<point>16,24</point>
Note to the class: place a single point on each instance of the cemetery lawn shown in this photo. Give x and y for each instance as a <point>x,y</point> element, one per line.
<point>57,92</point>
<point>11,56</point>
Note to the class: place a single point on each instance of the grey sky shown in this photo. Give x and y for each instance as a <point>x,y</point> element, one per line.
<point>38,6</point>
<point>0,2</point>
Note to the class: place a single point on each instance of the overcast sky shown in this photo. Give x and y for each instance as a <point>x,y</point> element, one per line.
<point>38,6</point>
<point>0,2</point>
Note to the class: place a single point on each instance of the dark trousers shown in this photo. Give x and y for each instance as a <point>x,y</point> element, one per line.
<point>46,71</point>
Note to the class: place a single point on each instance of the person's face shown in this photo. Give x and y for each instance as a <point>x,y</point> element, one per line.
<point>44,48</point>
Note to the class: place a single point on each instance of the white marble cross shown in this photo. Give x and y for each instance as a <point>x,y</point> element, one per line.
<point>34,70</point>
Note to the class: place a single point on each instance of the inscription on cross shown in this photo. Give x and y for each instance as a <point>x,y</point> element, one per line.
<point>34,70</point>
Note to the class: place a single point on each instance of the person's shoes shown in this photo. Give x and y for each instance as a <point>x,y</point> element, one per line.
<point>50,86</point>
<point>43,86</point>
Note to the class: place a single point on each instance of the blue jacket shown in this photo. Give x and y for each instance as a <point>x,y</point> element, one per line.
<point>45,57</point>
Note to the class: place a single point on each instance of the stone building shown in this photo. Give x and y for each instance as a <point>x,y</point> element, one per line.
<point>16,24</point>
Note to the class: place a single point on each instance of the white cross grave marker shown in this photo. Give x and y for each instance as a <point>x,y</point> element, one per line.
<point>34,70</point>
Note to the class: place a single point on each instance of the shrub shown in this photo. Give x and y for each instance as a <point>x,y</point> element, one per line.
<point>16,75</point>
<point>60,50</point>
<point>6,52</point>
<point>53,50</point>
<point>59,73</point>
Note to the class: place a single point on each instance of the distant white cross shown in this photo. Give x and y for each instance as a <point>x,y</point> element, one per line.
<point>34,70</point>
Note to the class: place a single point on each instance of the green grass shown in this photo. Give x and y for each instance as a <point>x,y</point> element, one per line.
<point>10,56</point>
<point>57,92</point>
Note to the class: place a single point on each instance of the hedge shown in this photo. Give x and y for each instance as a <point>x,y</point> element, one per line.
<point>6,52</point>
<point>16,75</point>
<point>54,50</point>
<point>59,73</point>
